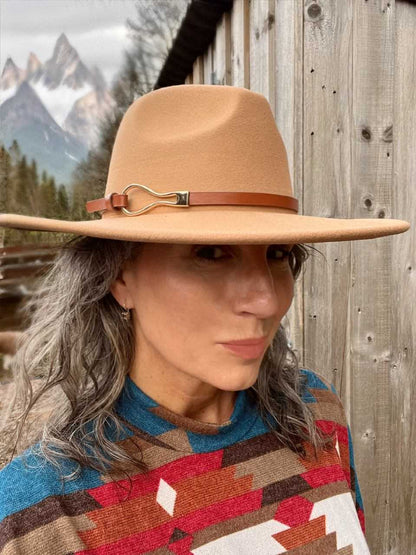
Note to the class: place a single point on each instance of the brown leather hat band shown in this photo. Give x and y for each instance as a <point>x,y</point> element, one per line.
<point>248,199</point>
<point>110,202</point>
<point>117,201</point>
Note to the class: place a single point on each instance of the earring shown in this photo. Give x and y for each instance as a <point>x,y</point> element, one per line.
<point>125,313</point>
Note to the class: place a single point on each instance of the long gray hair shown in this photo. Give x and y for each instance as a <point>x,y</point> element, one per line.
<point>78,340</point>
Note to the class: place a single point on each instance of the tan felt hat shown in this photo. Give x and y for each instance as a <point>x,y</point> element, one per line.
<point>203,164</point>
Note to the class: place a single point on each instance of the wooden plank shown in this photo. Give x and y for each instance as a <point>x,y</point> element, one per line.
<point>218,54</point>
<point>262,48</point>
<point>25,250</point>
<point>370,299</point>
<point>15,272</point>
<point>222,51</point>
<point>198,71</point>
<point>326,186</point>
<point>288,46</point>
<point>240,44</point>
<point>401,495</point>
<point>208,65</point>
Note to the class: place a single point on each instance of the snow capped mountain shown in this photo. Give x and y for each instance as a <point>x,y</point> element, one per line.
<point>24,117</point>
<point>65,68</point>
<point>60,82</point>
<point>74,97</point>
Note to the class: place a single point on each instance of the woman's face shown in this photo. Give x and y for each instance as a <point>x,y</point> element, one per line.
<point>189,300</point>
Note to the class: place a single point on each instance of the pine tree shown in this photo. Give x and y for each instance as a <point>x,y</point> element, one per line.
<point>34,189</point>
<point>23,187</point>
<point>62,203</point>
<point>15,152</point>
<point>5,169</point>
<point>47,196</point>
<point>51,202</point>
<point>12,193</point>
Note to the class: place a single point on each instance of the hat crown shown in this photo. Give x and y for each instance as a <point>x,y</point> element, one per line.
<point>199,138</point>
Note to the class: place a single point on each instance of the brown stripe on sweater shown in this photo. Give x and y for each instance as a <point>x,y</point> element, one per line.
<point>327,406</point>
<point>283,489</point>
<point>347,550</point>
<point>186,423</point>
<point>265,468</point>
<point>327,490</point>
<point>153,455</point>
<point>324,396</point>
<point>250,448</point>
<point>59,537</point>
<point>156,457</point>
<point>44,512</point>
<point>143,435</point>
<point>177,439</point>
<point>327,544</point>
<point>294,537</point>
<point>328,411</point>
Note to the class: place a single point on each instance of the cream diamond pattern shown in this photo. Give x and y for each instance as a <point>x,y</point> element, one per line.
<point>337,445</point>
<point>166,496</point>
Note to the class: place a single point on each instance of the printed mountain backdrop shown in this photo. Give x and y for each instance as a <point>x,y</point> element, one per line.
<point>59,117</point>
<point>52,109</point>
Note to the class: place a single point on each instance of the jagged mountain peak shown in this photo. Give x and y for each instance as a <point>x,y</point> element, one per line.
<point>65,67</point>
<point>10,63</point>
<point>62,39</point>
<point>11,75</point>
<point>33,66</point>
<point>10,66</point>
<point>64,52</point>
<point>32,57</point>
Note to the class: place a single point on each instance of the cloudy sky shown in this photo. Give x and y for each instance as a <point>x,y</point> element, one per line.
<point>95,28</point>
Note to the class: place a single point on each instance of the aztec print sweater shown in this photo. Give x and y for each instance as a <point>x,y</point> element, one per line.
<point>210,490</point>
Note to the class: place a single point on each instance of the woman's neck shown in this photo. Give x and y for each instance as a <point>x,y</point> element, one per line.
<point>186,396</point>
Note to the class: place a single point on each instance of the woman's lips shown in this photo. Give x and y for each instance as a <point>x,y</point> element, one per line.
<point>246,351</point>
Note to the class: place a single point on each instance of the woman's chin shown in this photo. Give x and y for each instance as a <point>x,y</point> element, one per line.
<point>238,380</point>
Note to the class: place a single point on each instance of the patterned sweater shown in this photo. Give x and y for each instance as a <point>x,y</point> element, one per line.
<point>209,490</point>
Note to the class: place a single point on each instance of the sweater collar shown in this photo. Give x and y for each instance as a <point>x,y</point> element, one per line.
<point>146,415</point>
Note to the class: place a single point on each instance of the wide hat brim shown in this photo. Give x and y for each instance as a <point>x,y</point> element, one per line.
<point>234,225</point>
<point>199,141</point>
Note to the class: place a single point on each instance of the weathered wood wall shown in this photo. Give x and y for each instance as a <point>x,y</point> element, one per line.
<point>340,77</point>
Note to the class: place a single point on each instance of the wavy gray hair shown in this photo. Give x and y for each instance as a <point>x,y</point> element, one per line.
<point>78,340</point>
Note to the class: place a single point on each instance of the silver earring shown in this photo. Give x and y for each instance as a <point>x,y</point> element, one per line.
<point>125,313</point>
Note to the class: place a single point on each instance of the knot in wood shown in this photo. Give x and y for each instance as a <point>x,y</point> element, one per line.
<point>314,10</point>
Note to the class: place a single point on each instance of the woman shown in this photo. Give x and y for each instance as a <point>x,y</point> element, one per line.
<point>187,425</point>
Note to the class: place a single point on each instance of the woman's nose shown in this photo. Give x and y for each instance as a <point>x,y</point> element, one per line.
<point>256,290</point>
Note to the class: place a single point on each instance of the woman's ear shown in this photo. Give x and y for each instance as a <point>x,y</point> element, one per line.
<point>120,291</point>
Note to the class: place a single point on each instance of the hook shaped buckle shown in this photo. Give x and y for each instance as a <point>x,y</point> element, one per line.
<point>182,199</point>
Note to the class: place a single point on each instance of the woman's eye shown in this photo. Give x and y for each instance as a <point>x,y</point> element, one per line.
<point>279,253</point>
<point>215,253</point>
<point>210,253</point>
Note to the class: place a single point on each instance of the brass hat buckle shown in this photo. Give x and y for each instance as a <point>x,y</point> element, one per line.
<point>182,199</point>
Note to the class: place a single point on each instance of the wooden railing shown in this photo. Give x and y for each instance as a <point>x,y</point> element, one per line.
<point>20,269</point>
